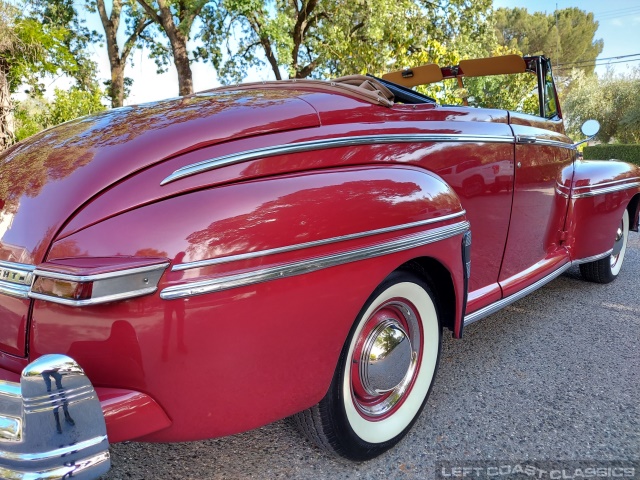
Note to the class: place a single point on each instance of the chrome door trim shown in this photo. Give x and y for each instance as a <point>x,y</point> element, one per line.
<point>500,304</point>
<point>311,145</point>
<point>535,140</point>
<point>314,264</point>
<point>316,243</point>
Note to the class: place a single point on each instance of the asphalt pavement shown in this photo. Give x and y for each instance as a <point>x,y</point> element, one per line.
<point>553,377</point>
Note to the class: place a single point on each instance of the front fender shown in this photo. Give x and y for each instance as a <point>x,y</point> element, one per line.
<point>600,192</point>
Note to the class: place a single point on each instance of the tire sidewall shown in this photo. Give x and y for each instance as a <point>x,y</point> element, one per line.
<point>615,270</point>
<point>352,444</point>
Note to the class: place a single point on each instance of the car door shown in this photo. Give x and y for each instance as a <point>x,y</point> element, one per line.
<point>544,158</point>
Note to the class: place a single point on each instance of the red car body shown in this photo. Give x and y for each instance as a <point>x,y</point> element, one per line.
<point>270,213</point>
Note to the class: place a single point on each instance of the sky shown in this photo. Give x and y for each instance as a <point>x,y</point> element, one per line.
<point>619,27</point>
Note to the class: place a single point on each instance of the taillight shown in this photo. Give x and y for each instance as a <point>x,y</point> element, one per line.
<point>79,282</point>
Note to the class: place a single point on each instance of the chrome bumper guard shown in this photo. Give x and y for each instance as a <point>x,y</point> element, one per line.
<point>51,424</point>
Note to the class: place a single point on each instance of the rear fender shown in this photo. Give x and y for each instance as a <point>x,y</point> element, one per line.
<point>266,279</point>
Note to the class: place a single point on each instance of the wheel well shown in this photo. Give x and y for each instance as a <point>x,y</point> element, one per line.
<point>634,207</point>
<point>439,280</point>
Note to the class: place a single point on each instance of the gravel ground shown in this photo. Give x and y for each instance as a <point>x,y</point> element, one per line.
<point>554,376</point>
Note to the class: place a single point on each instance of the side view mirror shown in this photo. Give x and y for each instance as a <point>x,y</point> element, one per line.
<point>590,129</point>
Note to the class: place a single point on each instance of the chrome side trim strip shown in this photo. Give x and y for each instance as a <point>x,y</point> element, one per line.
<point>592,258</point>
<point>99,276</point>
<point>597,190</point>
<point>316,243</point>
<point>14,275</point>
<point>313,264</point>
<point>93,301</point>
<point>53,454</point>
<point>606,184</point>
<point>14,290</point>
<point>554,143</point>
<point>311,145</point>
<point>17,266</point>
<point>500,304</point>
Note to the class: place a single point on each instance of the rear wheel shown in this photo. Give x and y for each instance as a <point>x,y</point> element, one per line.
<point>607,269</point>
<point>384,375</point>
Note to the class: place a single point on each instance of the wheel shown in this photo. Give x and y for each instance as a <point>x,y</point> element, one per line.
<point>384,375</point>
<point>607,269</point>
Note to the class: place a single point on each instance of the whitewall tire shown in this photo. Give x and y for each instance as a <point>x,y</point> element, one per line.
<point>385,373</point>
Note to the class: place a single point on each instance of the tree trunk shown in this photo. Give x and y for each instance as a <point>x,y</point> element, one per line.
<point>117,84</point>
<point>181,59</point>
<point>7,124</point>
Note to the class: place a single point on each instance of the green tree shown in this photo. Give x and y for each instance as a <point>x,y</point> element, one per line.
<point>36,113</point>
<point>566,36</point>
<point>30,49</point>
<point>176,19</point>
<point>613,100</point>
<point>75,37</point>
<point>322,38</point>
<point>136,22</point>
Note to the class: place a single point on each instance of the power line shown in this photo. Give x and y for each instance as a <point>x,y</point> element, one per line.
<point>599,64</point>
<point>616,12</point>
<point>577,62</point>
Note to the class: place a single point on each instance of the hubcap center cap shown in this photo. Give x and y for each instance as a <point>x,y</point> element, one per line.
<point>619,234</point>
<point>386,358</point>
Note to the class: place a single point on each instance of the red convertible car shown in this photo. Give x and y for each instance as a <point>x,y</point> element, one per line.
<point>201,266</point>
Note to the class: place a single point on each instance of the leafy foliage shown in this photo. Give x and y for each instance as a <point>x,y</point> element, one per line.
<point>174,18</point>
<point>566,36</point>
<point>627,153</point>
<point>36,114</point>
<point>613,100</point>
<point>325,38</point>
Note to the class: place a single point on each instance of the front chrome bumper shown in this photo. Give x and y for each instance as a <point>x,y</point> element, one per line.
<point>51,423</point>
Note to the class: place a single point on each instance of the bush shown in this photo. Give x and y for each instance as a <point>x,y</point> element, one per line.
<point>626,153</point>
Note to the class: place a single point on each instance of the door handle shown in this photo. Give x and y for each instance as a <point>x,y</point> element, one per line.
<point>525,139</point>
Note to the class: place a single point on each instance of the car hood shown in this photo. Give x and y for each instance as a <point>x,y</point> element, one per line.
<point>48,177</point>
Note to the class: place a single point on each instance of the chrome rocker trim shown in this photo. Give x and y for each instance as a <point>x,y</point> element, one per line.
<point>500,304</point>
<point>312,145</point>
<point>51,423</point>
<point>593,258</point>
<point>313,264</point>
<point>316,243</point>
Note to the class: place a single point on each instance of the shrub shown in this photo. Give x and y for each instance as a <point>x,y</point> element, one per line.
<point>627,153</point>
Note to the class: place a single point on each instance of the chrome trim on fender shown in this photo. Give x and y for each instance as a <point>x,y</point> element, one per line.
<point>107,287</point>
<point>500,304</point>
<point>593,258</point>
<point>313,264</point>
<point>608,187</point>
<point>316,243</point>
<point>311,145</point>
<point>20,291</point>
<point>99,276</point>
<point>15,278</point>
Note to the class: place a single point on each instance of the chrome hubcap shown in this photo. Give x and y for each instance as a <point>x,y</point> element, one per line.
<point>384,362</point>
<point>618,244</point>
<point>385,358</point>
